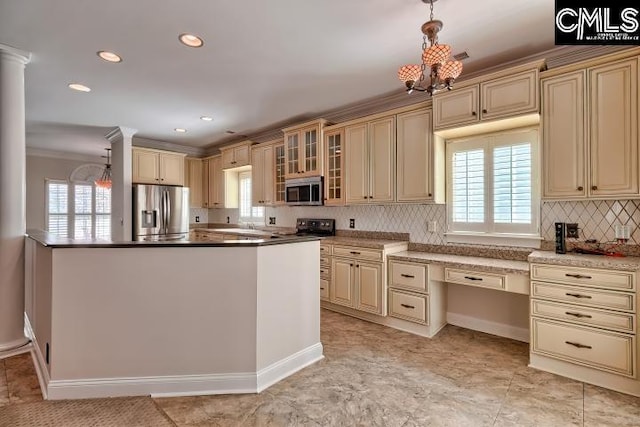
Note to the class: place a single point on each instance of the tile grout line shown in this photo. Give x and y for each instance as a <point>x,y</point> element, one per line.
<point>495,420</point>
<point>583,404</point>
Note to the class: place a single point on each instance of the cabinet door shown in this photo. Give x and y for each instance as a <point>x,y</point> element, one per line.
<point>614,129</point>
<point>310,146</point>
<point>228,158</point>
<point>292,155</point>
<point>257,177</point>
<point>456,108</point>
<point>171,169</point>
<point>563,136</point>
<point>145,167</point>
<point>356,164</point>
<point>268,175</point>
<point>193,180</point>
<point>342,287</point>
<point>205,183</point>
<point>216,183</point>
<point>509,96</point>
<point>414,166</point>
<point>382,145</point>
<point>279,174</point>
<point>242,156</point>
<point>369,284</point>
<point>333,170</point>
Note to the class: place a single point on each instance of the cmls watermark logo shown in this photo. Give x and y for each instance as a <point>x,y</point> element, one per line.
<point>596,22</point>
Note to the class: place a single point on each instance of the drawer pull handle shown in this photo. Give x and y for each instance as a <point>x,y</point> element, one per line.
<point>408,276</point>
<point>578,276</point>
<point>578,295</point>
<point>578,315</point>
<point>407,306</point>
<point>354,253</point>
<point>578,345</point>
<point>473,278</point>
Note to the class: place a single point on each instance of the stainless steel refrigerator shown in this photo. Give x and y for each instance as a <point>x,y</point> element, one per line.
<point>160,212</point>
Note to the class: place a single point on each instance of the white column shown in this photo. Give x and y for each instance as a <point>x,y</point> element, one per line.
<point>121,207</point>
<point>12,196</point>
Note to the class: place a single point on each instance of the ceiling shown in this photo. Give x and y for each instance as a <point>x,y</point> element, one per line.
<point>263,62</point>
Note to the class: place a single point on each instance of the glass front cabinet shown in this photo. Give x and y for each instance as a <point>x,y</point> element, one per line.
<point>303,149</point>
<point>334,167</point>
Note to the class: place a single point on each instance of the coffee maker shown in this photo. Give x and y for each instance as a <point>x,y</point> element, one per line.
<point>561,244</point>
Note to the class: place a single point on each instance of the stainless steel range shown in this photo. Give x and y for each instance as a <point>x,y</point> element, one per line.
<point>315,227</point>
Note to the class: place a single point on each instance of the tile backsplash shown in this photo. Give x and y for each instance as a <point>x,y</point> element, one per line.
<point>596,219</point>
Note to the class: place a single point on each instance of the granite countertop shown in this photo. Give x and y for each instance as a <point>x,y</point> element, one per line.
<point>490,265</point>
<point>50,240</point>
<point>364,242</point>
<point>588,261</point>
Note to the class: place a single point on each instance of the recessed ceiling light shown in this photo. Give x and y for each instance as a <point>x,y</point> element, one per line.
<point>109,56</point>
<point>206,118</point>
<point>190,40</point>
<point>79,87</point>
<point>180,130</point>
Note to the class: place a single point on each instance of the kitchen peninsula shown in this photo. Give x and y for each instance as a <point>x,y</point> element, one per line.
<point>171,318</point>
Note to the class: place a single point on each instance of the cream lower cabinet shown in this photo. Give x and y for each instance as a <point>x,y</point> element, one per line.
<point>157,167</point>
<point>590,132</point>
<point>584,325</point>
<point>415,297</point>
<point>325,270</point>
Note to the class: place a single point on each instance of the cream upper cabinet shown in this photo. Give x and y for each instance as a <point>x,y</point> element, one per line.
<point>236,155</point>
<point>595,157</point>
<point>564,150</point>
<point>157,167</point>
<point>614,129</point>
<point>262,175</point>
<point>216,183</point>
<point>370,161</point>
<point>279,191</point>
<point>415,172</point>
<point>491,99</point>
<point>193,179</point>
<point>303,149</point>
<point>334,167</point>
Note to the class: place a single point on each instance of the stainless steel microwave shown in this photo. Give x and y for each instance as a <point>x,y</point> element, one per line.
<point>303,191</point>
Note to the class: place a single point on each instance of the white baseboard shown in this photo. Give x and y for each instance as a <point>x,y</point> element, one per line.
<point>494,328</point>
<point>288,366</point>
<point>185,385</point>
<point>38,359</point>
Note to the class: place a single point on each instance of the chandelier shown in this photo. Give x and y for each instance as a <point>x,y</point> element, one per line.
<point>105,180</point>
<point>435,58</point>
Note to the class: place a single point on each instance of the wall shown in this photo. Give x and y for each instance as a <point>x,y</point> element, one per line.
<point>596,219</point>
<point>38,170</point>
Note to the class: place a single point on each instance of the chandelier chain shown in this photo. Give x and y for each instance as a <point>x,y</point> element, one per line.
<point>431,7</point>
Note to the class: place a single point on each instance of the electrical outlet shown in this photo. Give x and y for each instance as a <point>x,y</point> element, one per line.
<point>197,218</point>
<point>572,231</point>
<point>432,226</point>
<point>227,220</point>
<point>272,220</point>
<point>352,223</point>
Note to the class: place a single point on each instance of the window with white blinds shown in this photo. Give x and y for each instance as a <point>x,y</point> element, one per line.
<point>248,213</point>
<point>78,210</point>
<point>493,184</point>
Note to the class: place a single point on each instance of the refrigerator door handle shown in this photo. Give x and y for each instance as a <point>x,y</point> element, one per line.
<point>164,212</point>
<point>168,212</point>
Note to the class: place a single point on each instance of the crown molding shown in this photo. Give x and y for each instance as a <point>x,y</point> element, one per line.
<point>16,54</point>
<point>64,155</point>
<point>168,146</point>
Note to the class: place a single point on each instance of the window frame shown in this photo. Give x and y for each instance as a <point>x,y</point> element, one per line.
<point>253,218</point>
<point>490,232</point>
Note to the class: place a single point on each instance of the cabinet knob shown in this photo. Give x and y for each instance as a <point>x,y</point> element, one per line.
<point>594,187</point>
<point>580,188</point>
<point>484,111</point>
<point>473,113</point>
<point>430,195</point>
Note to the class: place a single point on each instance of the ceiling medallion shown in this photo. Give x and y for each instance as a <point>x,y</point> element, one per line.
<point>435,57</point>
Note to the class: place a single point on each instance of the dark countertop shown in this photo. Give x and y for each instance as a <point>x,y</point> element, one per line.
<point>47,239</point>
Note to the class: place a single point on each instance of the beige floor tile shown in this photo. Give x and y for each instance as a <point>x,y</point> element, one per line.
<point>604,407</point>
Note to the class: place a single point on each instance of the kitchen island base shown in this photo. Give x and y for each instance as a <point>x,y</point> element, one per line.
<point>171,321</point>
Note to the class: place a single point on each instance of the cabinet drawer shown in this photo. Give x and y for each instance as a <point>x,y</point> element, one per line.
<point>325,271</point>
<point>623,280</point>
<point>355,252</point>
<point>409,307</point>
<point>325,250</point>
<point>412,276</point>
<point>324,260</point>
<point>586,316</point>
<point>324,289</point>
<point>584,296</point>
<point>607,351</point>
<point>472,278</point>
